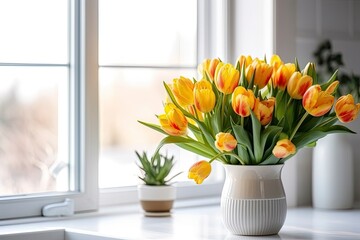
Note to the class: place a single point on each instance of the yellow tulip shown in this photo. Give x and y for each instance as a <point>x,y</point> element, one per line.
<point>275,62</point>
<point>282,75</point>
<point>204,96</point>
<point>209,66</point>
<point>262,70</point>
<point>264,110</point>
<point>243,101</point>
<point>298,85</point>
<point>345,108</point>
<point>226,78</point>
<point>317,102</point>
<point>173,122</point>
<point>199,171</point>
<point>225,142</point>
<point>244,60</point>
<point>182,89</point>
<point>284,148</point>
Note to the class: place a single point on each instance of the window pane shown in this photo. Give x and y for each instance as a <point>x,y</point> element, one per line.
<point>34,31</point>
<point>126,96</point>
<point>143,32</point>
<point>33,133</point>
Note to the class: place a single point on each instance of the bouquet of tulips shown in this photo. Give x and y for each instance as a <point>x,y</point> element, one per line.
<point>253,112</point>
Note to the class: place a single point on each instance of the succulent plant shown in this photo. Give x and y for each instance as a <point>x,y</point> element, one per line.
<point>156,169</point>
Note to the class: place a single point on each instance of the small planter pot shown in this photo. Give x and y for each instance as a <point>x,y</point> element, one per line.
<point>156,200</point>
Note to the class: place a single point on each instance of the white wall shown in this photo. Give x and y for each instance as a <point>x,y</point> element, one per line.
<point>339,21</point>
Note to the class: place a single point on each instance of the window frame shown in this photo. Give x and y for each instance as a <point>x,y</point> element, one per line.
<point>83,138</point>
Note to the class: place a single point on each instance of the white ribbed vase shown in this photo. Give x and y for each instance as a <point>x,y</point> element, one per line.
<point>253,200</point>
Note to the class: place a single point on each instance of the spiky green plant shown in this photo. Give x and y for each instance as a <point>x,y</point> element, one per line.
<point>157,169</point>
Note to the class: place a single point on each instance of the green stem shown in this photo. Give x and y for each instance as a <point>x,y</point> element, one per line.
<point>222,110</point>
<point>298,125</point>
<point>229,154</point>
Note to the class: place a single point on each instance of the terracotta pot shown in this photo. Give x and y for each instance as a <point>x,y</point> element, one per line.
<point>156,200</point>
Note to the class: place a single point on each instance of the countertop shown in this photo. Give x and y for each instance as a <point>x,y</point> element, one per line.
<point>202,222</point>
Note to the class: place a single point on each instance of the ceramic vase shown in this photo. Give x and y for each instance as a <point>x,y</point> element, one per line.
<point>253,200</point>
<point>333,173</point>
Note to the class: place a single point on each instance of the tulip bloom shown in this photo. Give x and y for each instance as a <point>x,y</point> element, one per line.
<point>182,89</point>
<point>204,96</point>
<point>275,62</point>
<point>345,108</point>
<point>244,60</point>
<point>225,142</point>
<point>298,85</point>
<point>199,171</point>
<point>332,87</point>
<point>209,66</point>
<point>282,75</point>
<point>173,122</point>
<point>317,102</point>
<point>264,110</point>
<point>226,78</point>
<point>243,101</point>
<point>262,70</point>
<point>284,148</point>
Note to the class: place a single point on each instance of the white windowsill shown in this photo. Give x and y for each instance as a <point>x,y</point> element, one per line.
<point>200,222</point>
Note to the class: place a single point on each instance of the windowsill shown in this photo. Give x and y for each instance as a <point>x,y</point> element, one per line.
<point>200,222</point>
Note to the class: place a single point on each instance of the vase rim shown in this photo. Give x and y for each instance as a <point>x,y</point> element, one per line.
<point>258,165</point>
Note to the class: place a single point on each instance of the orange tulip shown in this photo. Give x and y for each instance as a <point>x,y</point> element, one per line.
<point>226,78</point>
<point>199,171</point>
<point>262,70</point>
<point>204,96</point>
<point>173,121</point>
<point>282,75</point>
<point>332,87</point>
<point>264,110</point>
<point>345,108</point>
<point>298,85</point>
<point>183,91</point>
<point>284,148</point>
<point>317,102</point>
<point>225,142</point>
<point>243,101</point>
<point>209,66</point>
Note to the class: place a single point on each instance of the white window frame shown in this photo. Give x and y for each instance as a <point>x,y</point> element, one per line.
<point>84,125</point>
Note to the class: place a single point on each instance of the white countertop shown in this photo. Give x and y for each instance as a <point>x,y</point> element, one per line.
<point>204,222</point>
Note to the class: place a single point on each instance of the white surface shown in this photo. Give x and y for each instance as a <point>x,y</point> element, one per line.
<point>127,222</point>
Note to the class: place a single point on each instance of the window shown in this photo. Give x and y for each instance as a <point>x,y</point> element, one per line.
<point>45,133</point>
<point>52,75</point>
<point>134,59</point>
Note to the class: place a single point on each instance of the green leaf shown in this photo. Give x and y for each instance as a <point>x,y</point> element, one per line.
<point>256,130</point>
<point>271,160</point>
<point>304,138</point>
<point>325,85</point>
<point>268,136</point>
<point>243,153</point>
<point>242,137</point>
<point>153,126</point>
<point>188,144</point>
